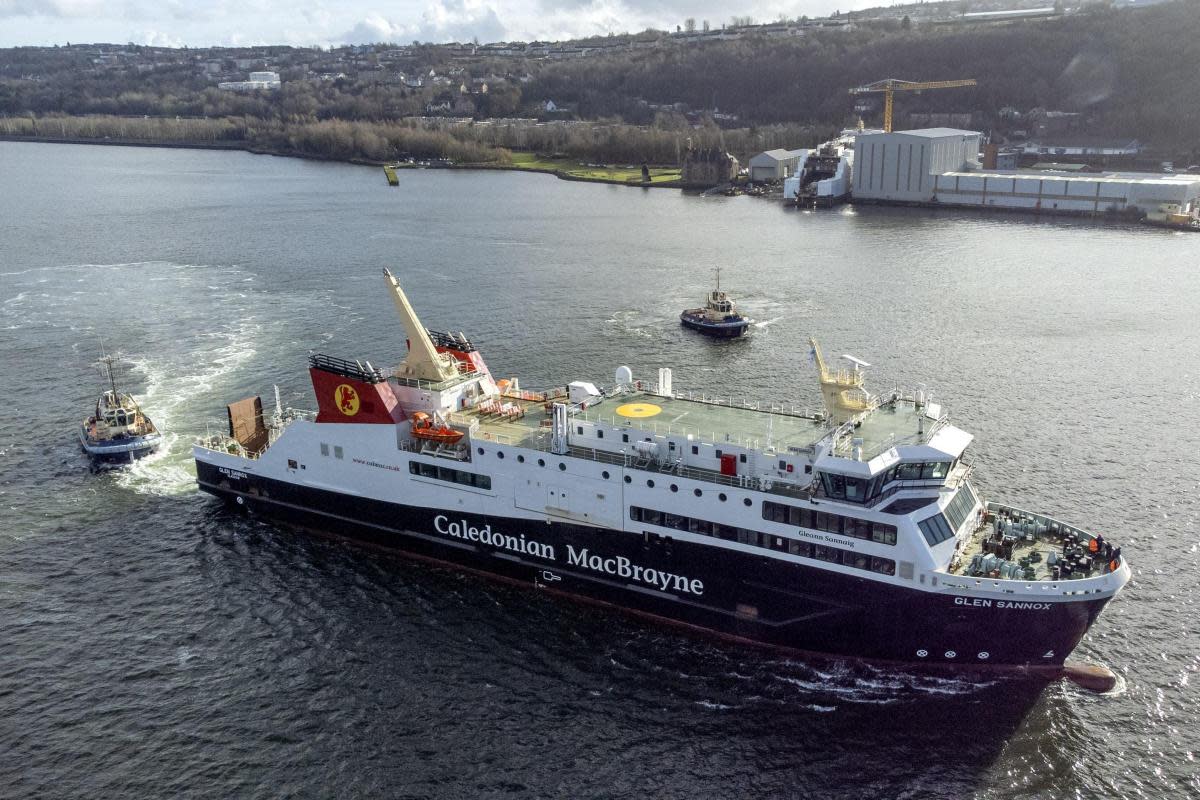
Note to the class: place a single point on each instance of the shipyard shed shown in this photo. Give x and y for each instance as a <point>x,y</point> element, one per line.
<point>775,165</point>
<point>901,166</point>
<point>1069,192</point>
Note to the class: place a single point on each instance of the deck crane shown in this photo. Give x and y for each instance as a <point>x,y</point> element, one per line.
<point>891,85</point>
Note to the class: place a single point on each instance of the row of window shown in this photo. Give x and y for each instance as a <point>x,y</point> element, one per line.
<point>961,505</point>
<point>802,517</point>
<point>449,474</point>
<point>783,465</point>
<point>940,527</point>
<point>864,490</point>
<point>935,529</point>
<point>795,547</point>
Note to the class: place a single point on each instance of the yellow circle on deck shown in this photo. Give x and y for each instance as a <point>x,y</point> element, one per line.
<point>639,410</point>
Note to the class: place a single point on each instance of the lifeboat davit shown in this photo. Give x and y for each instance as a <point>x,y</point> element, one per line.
<point>423,428</point>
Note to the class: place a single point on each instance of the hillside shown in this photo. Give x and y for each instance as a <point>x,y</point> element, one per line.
<point>1126,73</point>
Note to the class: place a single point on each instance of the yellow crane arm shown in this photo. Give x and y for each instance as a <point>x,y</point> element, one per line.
<point>890,85</point>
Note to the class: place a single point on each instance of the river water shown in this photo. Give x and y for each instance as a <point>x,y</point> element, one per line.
<point>152,644</point>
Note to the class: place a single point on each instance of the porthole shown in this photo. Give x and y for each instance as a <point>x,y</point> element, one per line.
<point>697,492</point>
<point>480,451</point>
<point>604,474</point>
<point>628,479</point>
<point>722,497</point>
<point>541,462</point>
<point>520,459</point>
<point>562,466</point>
<point>748,502</point>
<point>499,454</point>
<point>650,483</point>
<point>674,488</point>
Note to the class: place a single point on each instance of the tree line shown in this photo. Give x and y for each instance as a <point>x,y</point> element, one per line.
<point>1130,73</point>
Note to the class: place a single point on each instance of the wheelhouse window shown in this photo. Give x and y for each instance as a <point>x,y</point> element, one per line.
<point>935,529</point>
<point>843,487</point>
<point>959,507</point>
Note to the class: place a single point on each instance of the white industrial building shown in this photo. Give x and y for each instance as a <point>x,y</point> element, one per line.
<point>775,165</point>
<point>1085,193</point>
<point>941,166</point>
<point>901,166</point>
<point>258,80</point>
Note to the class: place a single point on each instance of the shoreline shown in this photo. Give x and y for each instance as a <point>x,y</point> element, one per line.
<point>361,162</point>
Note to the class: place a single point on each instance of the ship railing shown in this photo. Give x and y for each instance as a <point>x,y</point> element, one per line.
<point>471,424</point>
<point>634,461</point>
<point>783,409</point>
<point>436,386</point>
<point>223,443</point>
<point>674,429</point>
<point>957,477</point>
<point>1052,526</point>
<point>1028,524</point>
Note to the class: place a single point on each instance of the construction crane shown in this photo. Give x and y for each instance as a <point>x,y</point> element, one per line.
<point>890,85</point>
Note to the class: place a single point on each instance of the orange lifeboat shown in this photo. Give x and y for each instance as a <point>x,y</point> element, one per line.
<point>423,428</point>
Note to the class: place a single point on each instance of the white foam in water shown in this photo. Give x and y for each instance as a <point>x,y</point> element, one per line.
<point>169,389</point>
<point>182,370</point>
<point>867,684</point>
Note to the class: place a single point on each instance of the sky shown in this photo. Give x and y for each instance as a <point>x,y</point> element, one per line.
<point>203,23</point>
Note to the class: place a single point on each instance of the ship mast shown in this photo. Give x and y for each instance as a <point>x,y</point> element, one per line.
<point>107,361</point>
<point>423,361</point>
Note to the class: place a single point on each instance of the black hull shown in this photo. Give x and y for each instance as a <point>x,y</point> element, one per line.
<point>721,331</point>
<point>118,458</point>
<point>743,596</point>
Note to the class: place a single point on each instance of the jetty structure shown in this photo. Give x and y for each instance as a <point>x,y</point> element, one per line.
<point>854,531</point>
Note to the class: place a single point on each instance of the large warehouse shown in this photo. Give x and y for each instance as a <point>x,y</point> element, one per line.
<point>1070,191</point>
<point>941,166</point>
<point>901,165</point>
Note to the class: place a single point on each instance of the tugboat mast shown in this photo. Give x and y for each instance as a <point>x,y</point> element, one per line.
<point>107,361</point>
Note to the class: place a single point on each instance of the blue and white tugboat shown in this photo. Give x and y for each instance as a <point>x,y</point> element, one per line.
<point>855,531</point>
<point>119,432</point>
<point>719,317</point>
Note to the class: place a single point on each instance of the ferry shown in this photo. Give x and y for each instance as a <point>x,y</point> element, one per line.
<point>853,530</point>
<point>119,431</point>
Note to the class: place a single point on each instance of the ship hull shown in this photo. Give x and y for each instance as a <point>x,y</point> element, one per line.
<point>728,593</point>
<point>119,451</point>
<point>721,330</point>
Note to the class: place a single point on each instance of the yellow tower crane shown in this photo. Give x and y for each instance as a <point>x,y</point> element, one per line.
<point>891,85</point>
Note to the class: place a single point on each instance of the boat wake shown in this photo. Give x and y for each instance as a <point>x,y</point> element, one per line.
<point>766,323</point>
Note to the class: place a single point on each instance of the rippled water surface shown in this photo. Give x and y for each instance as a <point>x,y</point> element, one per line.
<point>152,644</point>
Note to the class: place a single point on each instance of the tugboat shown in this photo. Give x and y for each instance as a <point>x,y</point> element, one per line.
<point>119,431</point>
<point>719,317</point>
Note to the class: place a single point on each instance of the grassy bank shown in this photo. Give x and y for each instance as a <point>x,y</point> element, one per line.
<point>571,169</point>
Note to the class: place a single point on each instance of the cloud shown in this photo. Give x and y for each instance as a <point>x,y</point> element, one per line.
<point>157,39</point>
<point>441,21</point>
<point>50,8</point>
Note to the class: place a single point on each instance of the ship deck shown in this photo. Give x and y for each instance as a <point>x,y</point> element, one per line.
<point>1034,542</point>
<point>706,420</point>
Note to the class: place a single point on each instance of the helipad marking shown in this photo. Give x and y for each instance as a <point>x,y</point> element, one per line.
<point>639,410</point>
